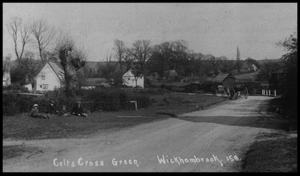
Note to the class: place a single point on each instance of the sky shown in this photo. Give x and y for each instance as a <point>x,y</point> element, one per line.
<point>209,28</point>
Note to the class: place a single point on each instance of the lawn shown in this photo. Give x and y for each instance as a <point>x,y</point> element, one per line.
<point>272,153</point>
<point>23,127</point>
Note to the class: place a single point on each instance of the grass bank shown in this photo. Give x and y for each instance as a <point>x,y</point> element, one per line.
<point>273,152</point>
<point>276,151</point>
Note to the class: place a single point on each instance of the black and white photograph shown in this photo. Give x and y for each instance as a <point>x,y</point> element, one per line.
<point>150,87</point>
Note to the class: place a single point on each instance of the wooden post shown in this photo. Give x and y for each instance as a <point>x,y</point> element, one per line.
<point>135,104</point>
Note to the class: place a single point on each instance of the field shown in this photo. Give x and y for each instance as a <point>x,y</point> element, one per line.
<point>164,106</point>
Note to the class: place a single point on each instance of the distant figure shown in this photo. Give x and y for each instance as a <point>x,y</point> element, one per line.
<point>36,114</point>
<point>78,110</point>
<point>232,94</point>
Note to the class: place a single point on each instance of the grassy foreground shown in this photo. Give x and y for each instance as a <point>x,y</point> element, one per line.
<point>22,126</point>
<point>272,153</point>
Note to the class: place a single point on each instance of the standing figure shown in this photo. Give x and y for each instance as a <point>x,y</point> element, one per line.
<point>52,108</point>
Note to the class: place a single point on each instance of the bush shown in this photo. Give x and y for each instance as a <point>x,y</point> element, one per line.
<point>106,99</point>
<point>9,104</point>
<point>208,86</point>
<point>15,88</point>
<point>14,103</point>
<point>114,99</point>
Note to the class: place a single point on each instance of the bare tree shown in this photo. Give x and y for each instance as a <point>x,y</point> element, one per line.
<point>120,51</point>
<point>141,52</point>
<point>43,34</point>
<point>20,34</point>
<point>137,57</point>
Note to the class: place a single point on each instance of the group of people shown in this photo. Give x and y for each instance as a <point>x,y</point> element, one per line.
<point>237,92</point>
<point>77,110</point>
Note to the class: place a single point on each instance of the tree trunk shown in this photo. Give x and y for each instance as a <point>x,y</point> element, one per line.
<point>136,78</point>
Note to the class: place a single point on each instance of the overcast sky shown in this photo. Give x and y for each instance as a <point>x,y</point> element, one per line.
<point>211,28</point>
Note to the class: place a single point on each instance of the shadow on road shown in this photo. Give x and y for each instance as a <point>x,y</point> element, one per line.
<point>245,115</point>
<point>250,121</point>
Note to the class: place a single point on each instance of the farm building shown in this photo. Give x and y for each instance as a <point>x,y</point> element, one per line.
<point>227,79</point>
<point>130,80</point>
<point>50,77</point>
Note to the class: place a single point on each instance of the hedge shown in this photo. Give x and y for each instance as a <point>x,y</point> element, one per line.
<point>92,100</point>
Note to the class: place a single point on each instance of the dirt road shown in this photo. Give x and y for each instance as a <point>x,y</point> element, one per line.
<point>209,140</point>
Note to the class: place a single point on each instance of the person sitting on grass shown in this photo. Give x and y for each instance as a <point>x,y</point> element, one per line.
<point>78,110</point>
<point>36,114</point>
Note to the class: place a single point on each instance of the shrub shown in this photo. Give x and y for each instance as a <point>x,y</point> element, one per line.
<point>143,101</point>
<point>115,99</point>
<point>209,86</point>
<point>15,88</point>
<point>106,99</point>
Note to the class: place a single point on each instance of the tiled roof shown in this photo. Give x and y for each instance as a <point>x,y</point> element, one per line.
<point>220,77</point>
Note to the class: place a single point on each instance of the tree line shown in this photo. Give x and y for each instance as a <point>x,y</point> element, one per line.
<point>143,58</point>
<point>50,43</point>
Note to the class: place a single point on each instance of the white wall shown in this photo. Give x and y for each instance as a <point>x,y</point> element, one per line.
<point>130,81</point>
<point>28,86</point>
<point>6,79</point>
<point>140,82</point>
<point>51,79</point>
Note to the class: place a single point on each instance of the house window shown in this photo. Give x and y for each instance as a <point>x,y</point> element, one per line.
<point>45,86</point>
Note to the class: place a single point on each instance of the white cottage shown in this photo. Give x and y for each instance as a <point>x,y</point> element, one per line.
<point>49,78</point>
<point>6,79</point>
<point>130,80</point>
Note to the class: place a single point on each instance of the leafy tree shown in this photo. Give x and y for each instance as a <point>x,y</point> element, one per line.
<point>160,59</point>
<point>267,69</point>
<point>170,55</point>
<point>25,71</point>
<point>291,80</point>
<point>140,53</point>
<point>71,60</point>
